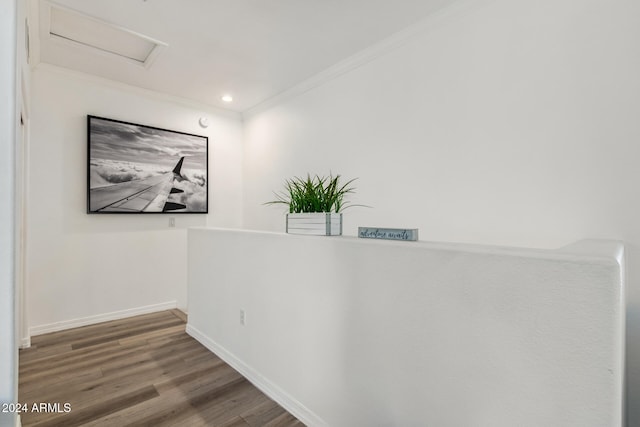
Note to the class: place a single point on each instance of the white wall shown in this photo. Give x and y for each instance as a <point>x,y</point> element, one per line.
<point>508,122</point>
<point>84,267</point>
<point>353,332</point>
<point>8,336</point>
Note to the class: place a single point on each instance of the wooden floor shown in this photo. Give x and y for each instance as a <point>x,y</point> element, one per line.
<point>143,371</point>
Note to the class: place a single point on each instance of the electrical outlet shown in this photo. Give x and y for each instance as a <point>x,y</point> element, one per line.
<point>172,222</point>
<point>243,317</point>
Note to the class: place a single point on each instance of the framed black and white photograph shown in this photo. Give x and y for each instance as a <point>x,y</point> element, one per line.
<point>134,168</point>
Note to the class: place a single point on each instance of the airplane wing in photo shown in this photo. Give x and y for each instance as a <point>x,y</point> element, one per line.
<point>143,195</point>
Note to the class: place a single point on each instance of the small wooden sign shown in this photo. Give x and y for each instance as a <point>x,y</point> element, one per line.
<point>409,234</point>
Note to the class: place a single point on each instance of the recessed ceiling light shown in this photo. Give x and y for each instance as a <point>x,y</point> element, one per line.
<point>227,98</point>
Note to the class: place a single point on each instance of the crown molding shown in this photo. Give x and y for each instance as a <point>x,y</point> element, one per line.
<point>367,55</point>
<point>160,96</point>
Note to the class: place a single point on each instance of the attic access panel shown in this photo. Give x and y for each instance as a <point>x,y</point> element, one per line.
<point>80,30</point>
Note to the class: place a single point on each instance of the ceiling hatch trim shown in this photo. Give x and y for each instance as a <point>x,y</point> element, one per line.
<point>78,30</point>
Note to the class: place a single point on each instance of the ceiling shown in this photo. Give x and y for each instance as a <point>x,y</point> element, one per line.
<point>250,49</point>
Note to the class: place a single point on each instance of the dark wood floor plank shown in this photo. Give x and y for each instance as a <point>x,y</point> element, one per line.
<point>180,314</point>
<point>175,402</point>
<point>198,358</point>
<point>262,414</point>
<point>115,381</point>
<point>233,403</point>
<point>69,357</point>
<point>100,328</point>
<point>284,420</point>
<point>36,357</point>
<point>34,353</point>
<point>111,356</point>
<point>57,373</point>
<point>50,391</point>
<point>194,404</point>
<point>235,422</point>
<point>144,370</point>
<point>155,333</point>
<point>118,335</point>
<point>80,417</point>
<point>122,378</point>
<point>194,372</point>
<point>38,360</point>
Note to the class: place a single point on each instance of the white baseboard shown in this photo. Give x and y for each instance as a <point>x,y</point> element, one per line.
<point>90,320</point>
<point>294,407</point>
<point>25,342</point>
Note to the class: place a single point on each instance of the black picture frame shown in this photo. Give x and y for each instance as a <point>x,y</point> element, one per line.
<point>140,169</point>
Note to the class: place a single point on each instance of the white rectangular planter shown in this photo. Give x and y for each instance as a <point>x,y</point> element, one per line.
<point>316,224</point>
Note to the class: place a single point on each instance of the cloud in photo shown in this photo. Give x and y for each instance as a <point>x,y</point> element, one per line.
<point>195,176</point>
<point>108,172</point>
<point>194,196</point>
<point>129,142</point>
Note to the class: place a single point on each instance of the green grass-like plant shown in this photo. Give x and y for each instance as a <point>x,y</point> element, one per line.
<point>314,194</point>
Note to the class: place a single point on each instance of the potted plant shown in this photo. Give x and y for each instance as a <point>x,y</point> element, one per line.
<point>315,204</point>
